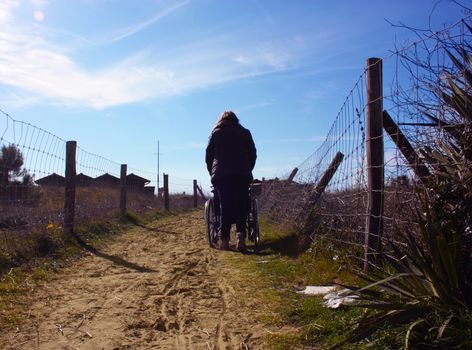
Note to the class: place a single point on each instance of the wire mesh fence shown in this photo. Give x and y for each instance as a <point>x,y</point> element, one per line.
<point>342,207</point>
<point>180,186</point>
<point>414,118</point>
<point>97,187</point>
<point>29,153</point>
<point>184,193</point>
<point>35,186</point>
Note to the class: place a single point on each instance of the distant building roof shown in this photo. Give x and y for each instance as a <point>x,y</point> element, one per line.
<point>107,179</point>
<point>83,176</point>
<point>82,179</point>
<point>149,190</point>
<point>51,180</point>
<point>133,179</point>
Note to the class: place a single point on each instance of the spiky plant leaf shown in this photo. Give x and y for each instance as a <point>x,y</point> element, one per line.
<point>466,57</point>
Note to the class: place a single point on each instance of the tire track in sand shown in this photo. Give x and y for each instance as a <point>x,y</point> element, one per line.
<point>178,300</point>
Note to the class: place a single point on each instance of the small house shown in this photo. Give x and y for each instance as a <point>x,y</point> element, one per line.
<point>51,180</point>
<point>83,180</point>
<point>107,180</point>
<point>149,190</point>
<point>135,182</point>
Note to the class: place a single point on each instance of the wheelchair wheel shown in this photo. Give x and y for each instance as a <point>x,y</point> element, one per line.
<point>212,222</point>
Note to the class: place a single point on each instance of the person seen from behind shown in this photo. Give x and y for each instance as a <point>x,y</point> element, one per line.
<point>230,158</point>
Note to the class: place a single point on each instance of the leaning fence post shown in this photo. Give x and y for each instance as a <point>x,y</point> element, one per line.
<point>123,193</point>
<point>69,193</point>
<point>310,223</point>
<point>263,184</point>
<point>195,197</point>
<point>375,161</point>
<point>326,178</point>
<point>292,175</point>
<point>166,191</point>
<point>421,171</point>
<point>199,189</point>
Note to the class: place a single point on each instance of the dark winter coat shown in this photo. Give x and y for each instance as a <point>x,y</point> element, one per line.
<point>231,152</point>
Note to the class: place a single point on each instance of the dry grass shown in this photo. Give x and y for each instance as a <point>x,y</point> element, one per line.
<point>33,229</point>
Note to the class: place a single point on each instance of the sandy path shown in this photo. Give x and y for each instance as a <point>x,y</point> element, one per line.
<point>155,288</point>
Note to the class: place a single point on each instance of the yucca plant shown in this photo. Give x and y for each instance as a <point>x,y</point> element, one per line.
<point>418,292</point>
<point>422,293</point>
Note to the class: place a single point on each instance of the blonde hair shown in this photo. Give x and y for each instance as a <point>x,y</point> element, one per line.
<point>227,116</point>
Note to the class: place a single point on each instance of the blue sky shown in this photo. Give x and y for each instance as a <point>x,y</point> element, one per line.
<point>117,76</point>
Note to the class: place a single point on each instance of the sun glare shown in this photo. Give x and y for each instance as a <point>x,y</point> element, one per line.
<point>38,15</point>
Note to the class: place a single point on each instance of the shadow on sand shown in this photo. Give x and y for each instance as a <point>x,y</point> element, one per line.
<point>291,246</point>
<point>113,258</point>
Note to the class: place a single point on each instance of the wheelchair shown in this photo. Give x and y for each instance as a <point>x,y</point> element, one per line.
<point>213,220</point>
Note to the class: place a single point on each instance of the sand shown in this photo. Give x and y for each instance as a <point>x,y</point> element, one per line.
<point>155,287</point>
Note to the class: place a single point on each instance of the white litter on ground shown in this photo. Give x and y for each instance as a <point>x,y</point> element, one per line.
<point>317,290</point>
<point>341,297</point>
<point>332,298</point>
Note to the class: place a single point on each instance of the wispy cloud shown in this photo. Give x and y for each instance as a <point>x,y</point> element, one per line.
<point>140,26</point>
<point>264,54</point>
<point>32,64</point>
<point>15,100</point>
<point>6,7</point>
<point>255,105</point>
<point>42,71</point>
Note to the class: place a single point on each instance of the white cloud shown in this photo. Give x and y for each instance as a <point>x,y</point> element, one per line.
<point>39,69</point>
<point>140,26</point>
<point>6,7</point>
<point>44,72</point>
<point>267,54</point>
<point>255,105</point>
<point>17,100</point>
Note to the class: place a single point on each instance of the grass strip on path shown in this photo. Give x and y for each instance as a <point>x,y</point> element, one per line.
<point>267,283</point>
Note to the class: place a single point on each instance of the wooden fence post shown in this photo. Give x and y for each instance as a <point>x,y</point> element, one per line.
<point>69,198</point>
<point>326,178</point>
<point>263,182</point>
<point>201,193</point>
<point>166,191</point>
<point>375,161</point>
<point>123,193</point>
<point>195,198</point>
<point>292,175</point>
<point>310,224</point>
<point>421,171</point>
